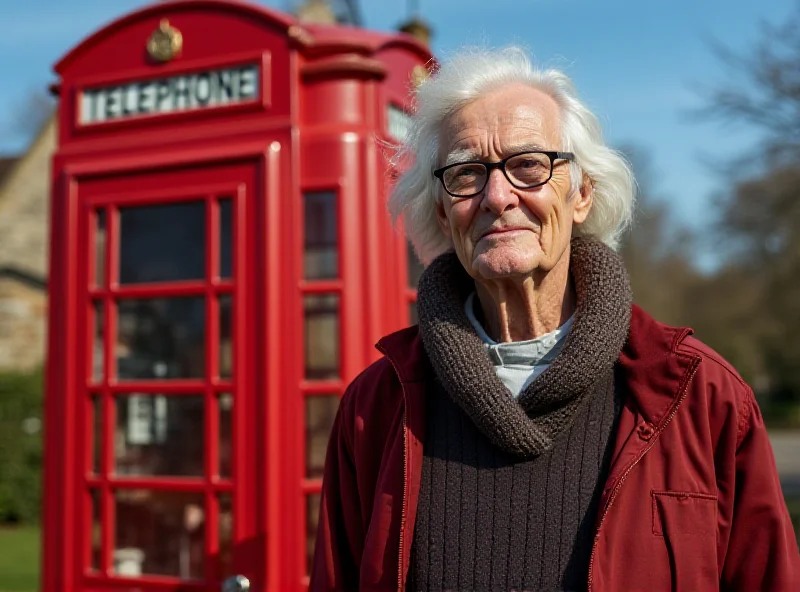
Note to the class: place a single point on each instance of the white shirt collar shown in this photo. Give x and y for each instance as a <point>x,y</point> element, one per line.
<point>526,353</point>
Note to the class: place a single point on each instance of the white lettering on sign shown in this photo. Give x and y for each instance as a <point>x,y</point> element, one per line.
<point>398,123</point>
<point>185,92</point>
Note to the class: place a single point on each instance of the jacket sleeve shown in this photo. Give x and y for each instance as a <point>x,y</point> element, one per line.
<point>762,551</point>
<point>340,532</point>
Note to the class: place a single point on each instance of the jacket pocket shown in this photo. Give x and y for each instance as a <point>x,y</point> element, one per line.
<point>687,521</point>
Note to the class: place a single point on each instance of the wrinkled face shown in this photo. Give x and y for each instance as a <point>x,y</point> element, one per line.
<point>506,232</point>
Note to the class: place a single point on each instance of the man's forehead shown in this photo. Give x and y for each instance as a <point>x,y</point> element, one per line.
<point>503,120</point>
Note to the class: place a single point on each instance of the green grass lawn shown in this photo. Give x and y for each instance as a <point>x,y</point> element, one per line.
<point>19,559</point>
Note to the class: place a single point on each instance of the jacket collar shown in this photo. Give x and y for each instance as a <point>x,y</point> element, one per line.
<point>654,368</point>
<point>405,351</point>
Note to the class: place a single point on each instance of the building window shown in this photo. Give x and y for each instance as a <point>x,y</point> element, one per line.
<point>225,336</point>
<point>320,414</point>
<point>159,533</point>
<point>312,521</point>
<point>100,242</point>
<point>159,435</point>
<point>225,238</point>
<point>321,236</point>
<point>225,460</point>
<point>162,243</point>
<point>160,338</point>
<point>321,336</point>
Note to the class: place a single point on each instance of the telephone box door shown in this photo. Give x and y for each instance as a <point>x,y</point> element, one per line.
<point>171,422</point>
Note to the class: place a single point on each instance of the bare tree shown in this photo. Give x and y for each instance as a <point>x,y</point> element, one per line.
<point>762,87</point>
<point>756,297</point>
<point>657,249</point>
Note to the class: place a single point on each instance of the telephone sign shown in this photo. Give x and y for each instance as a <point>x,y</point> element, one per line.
<point>182,92</point>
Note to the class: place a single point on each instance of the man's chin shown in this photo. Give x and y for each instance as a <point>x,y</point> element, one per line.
<point>493,266</point>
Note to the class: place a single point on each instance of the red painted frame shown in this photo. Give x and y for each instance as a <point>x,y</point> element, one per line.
<point>211,387</point>
<point>321,388</point>
<point>269,481</point>
<point>262,161</point>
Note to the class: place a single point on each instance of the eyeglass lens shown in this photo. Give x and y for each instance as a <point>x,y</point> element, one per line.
<point>524,170</point>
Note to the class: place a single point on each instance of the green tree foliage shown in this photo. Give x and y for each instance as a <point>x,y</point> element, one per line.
<point>20,446</point>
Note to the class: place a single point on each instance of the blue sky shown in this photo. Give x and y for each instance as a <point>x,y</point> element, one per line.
<point>638,64</point>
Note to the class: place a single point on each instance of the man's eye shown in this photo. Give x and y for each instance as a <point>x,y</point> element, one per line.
<point>468,171</point>
<point>529,163</point>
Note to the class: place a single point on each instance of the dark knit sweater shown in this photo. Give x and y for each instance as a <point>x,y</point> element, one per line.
<point>509,490</point>
<point>487,520</point>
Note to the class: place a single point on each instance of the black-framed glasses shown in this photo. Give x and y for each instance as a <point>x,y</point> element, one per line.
<point>524,170</point>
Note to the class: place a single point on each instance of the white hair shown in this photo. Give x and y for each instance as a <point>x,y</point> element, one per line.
<point>468,75</point>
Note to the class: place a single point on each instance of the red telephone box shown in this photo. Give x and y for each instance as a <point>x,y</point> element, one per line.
<point>222,263</point>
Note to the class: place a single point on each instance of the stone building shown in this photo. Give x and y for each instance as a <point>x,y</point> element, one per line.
<point>24,240</point>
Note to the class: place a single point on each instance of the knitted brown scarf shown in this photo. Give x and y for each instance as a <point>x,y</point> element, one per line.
<point>526,426</point>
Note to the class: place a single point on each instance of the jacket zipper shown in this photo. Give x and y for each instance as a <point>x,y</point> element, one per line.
<point>405,496</point>
<point>405,474</point>
<point>622,478</point>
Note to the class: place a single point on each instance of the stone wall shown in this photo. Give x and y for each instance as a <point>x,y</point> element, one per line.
<point>25,208</point>
<point>24,244</point>
<point>23,324</point>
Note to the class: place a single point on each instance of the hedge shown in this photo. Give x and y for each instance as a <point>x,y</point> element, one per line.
<point>21,416</point>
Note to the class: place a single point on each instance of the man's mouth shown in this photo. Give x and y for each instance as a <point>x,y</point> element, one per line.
<point>505,232</point>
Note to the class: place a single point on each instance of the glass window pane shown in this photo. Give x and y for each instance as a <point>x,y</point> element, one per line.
<point>415,267</point>
<point>100,239</point>
<point>225,238</point>
<point>225,404</point>
<point>225,531</point>
<point>320,413</point>
<point>97,433</point>
<point>97,344</point>
<point>161,338</point>
<point>312,520</point>
<point>321,260</point>
<point>159,533</point>
<point>96,531</point>
<point>225,337</point>
<point>162,243</point>
<point>159,435</point>
<point>321,336</point>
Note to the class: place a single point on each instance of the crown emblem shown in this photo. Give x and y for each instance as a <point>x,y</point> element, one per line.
<point>165,42</point>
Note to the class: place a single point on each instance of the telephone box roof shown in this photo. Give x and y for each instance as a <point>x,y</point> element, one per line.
<point>311,38</point>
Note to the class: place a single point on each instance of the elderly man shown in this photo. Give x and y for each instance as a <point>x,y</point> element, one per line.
<point>537,431</point>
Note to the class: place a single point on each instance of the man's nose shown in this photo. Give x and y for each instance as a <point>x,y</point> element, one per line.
<point>498,195</point>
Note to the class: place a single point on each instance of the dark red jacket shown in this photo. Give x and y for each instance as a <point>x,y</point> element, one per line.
<point>692,501</point>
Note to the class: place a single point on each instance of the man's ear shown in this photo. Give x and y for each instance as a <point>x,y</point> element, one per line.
<point>583,203</point>
<point>441,217</point>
